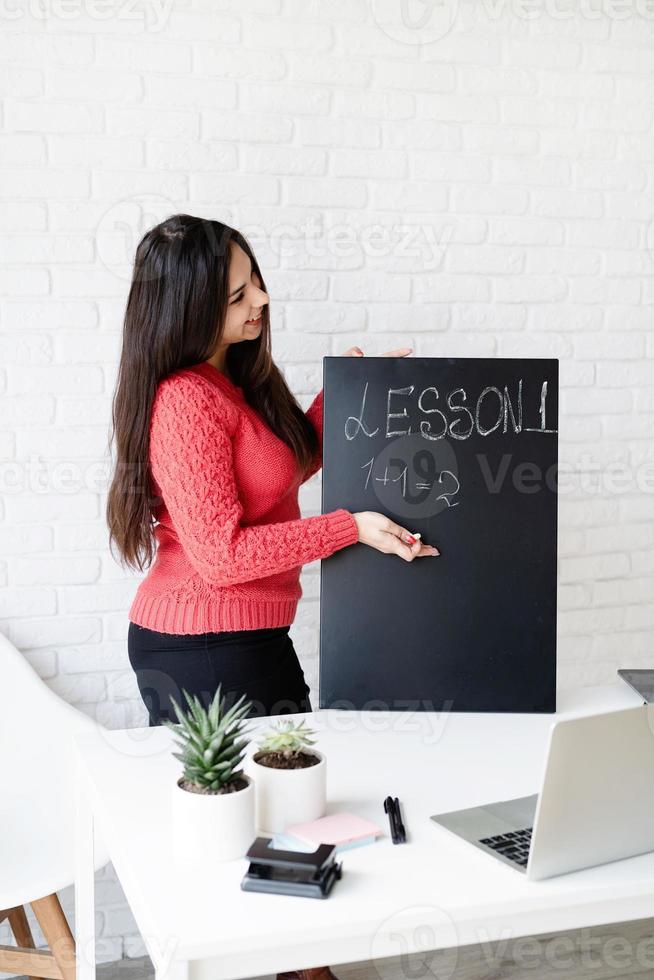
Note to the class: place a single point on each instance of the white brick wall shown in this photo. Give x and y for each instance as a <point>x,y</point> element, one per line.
<point>514,145</point>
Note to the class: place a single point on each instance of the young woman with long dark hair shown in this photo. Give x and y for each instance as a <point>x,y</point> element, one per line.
<point>210,450</point>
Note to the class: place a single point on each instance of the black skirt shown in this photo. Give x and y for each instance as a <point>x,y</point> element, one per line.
<point>261,663</point>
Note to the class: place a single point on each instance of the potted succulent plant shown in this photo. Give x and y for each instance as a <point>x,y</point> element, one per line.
<point>213,799</point>
<point>289,777</point>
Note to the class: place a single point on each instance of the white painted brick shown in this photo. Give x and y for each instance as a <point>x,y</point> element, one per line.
<point>94,658</point>
<point>563,261</point>
<point>24,83</point>
<point>27,249</point>
<point>519,111</point>
<point>82,151</point>
<point>54,571</point>
<point>187,24</point>
<point>52,631</point>
<point>111,86</point>
<point>547,171</point>
<point>579,144</point>
<point>412,77</point>
<point>34,507</point>
<point>335,132</point>
<point>314,68</point>
<point>36,48</point>
<point>26,150</point>
<point>235,188</point>
<point>422,135</point>
<point>408,317</point>
<point>530,289</point>
<point>616,117</point>
<point>97,598</point>
<point>612,291</point>
<point>51,314</point>
<point>22,215</point>
<point>284,160</point>
<point>248,127</point>
<point>456,345</point>
<point>141,55</point>
<point>432,165</point>
<point>484,259</point>
<point>25,540</point>
<point>45,183</point>
<point>569,317</point>
<point>24,282</point>
<point>593,567</point>
<point>23,602</point>
<point>21,411</point>
<point>413,195</point>
<point>215,59</point>
<point>319,318</point>
<point>488,316</point>
<point>190,155</point>
<point>285,99</point>
<point>538,53</point>
<point>591,621</point>
<point>53,117</point>
<point>490,200</point>
<point>369,163</point>
<point>604,234</point>
<point>559,203</point>
<point>610,347</point>
<point>126,184</point>
<point>373,104</point>
<point>187,90</point>
<point>55,379</point>
<point>353,286</point>
<point>135,121</point>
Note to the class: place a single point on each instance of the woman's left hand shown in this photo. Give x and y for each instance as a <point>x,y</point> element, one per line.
<point>399,352</point>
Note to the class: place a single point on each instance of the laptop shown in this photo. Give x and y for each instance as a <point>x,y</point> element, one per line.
<point>595,805</point>
<point>641,681</point>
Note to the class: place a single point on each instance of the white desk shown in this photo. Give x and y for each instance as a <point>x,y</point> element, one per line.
<point>434,892</point>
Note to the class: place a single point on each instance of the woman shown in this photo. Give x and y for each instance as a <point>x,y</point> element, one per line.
<point>211,444</point>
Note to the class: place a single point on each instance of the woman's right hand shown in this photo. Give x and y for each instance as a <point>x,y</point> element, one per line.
<point>385,535</point>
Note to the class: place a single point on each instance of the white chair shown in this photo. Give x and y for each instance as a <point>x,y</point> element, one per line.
<point>37,816</point>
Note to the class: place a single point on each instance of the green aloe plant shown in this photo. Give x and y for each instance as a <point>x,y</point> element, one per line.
<point>211,740</point>
<point>287,738</point>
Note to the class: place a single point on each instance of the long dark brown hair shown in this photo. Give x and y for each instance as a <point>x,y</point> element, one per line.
<point>175,315</point>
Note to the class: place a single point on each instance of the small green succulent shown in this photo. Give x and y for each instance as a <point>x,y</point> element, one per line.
<point>212,740</point>
<point>287,738</point>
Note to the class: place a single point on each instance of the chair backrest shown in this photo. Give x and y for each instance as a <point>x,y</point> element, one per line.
<point>35,723</point>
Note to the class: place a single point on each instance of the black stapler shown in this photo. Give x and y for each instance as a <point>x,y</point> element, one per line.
<point>312,874</point>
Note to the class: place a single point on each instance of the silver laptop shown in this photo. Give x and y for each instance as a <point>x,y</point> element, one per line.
<point>596,803</point>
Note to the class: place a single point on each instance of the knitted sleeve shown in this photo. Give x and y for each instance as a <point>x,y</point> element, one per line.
<point>315,415</point>
<point>191,461</point>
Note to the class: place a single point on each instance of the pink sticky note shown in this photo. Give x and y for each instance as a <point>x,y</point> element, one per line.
<point>337,828</point>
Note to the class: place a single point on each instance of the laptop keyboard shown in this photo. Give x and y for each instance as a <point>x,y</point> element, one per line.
<point>514,845</point>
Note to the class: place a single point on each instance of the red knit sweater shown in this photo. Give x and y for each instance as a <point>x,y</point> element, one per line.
<point>230,539</point>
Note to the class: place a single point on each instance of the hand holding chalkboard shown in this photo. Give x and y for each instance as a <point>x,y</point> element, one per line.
<point>380,532</point>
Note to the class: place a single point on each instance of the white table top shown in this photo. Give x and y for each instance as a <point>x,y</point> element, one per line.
<point>434,882</point>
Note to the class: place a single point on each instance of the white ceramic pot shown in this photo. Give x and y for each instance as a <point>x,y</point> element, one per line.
<point>288,796</point>
<point>212,827</point>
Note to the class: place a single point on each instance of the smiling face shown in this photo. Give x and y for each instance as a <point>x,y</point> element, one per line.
<point>245,303</point>
<point>246,299</point>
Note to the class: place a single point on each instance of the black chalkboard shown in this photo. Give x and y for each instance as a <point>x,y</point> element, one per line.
<point>464,451</point>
